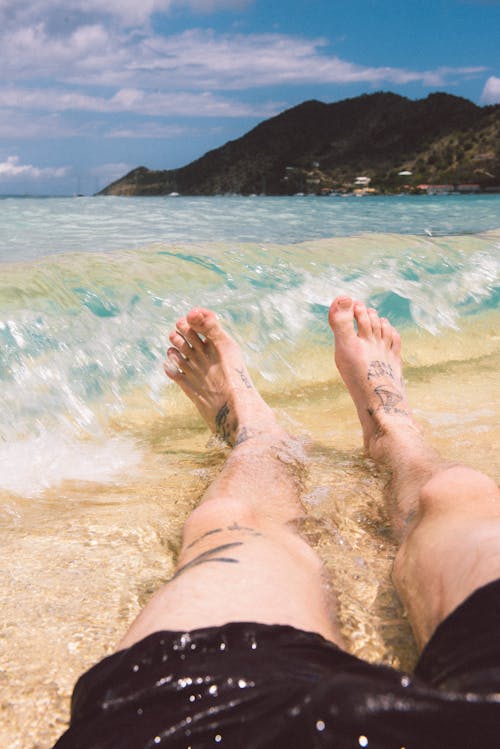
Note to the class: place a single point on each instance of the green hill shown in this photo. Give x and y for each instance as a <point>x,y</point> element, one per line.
<point>317,147</point>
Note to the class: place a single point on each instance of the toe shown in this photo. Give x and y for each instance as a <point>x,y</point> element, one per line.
<point>386,331</point>
<point>363,320</point>
<point>189,334</point>
<point>375,323</point>
<point>396,342</point>
<point>341,317</point>
<point>180,343</point>
<point>172,365</point>
<point>205,322</point>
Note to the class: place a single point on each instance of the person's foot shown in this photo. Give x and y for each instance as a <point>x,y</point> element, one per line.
<point>208,366</point>
<point>369,361</point>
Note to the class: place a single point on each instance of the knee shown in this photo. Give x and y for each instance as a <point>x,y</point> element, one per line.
<point>460,488</point>
<point>219,514</point>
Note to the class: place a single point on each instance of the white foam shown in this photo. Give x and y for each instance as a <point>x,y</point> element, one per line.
<point>29,466</point>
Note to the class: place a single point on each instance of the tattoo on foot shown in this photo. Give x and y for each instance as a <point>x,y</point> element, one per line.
<point>244,378</point>
<point>389,400</point>
<point>379,369</point>
<point>208,556</point>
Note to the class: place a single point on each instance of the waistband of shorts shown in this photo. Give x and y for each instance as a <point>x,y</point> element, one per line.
<point>250,642</point>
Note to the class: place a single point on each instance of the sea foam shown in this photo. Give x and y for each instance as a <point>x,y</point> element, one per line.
<point>29,466</point>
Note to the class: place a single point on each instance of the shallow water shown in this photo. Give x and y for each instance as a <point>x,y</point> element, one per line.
<point>33,227</point>
<point>101,459</point>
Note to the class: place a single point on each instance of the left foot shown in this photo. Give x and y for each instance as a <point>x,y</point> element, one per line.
<point>208,366</point>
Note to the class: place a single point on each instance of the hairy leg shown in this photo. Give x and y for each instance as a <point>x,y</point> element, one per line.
<point>241,557</point>
<point>446,517</point>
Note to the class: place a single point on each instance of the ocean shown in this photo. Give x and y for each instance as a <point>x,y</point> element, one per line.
<point>102,458</point>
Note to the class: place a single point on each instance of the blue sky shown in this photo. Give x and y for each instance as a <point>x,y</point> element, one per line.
<point>90,89</point>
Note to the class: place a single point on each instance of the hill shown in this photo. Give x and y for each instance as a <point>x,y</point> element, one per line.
<point>317,147</point>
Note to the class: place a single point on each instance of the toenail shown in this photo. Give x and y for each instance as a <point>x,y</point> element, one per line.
<point>170,367</point>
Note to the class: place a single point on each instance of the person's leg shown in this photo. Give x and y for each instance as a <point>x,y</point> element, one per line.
<point>241,557</point>
<point>446,517</point>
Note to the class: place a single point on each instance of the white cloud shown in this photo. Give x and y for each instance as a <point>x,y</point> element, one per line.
<point>132,101</point>
<point>31,52</point>
<point>201,104</point>
<point>194,60</point>
<point>210,6</point>
<point>491,91</point>
<point>61,15</point>
<point>202,59</point>
<point>150,130</point>
<point>11,168</point>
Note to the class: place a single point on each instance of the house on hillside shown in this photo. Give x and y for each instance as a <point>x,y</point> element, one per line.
<point>440,189</point>
<point>362,181</point>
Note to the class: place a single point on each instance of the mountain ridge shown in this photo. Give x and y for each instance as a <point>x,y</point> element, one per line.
<point>316,147</point>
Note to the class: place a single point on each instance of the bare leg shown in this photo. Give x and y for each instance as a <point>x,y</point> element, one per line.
<point>447,517</point>
<point>241,559</point>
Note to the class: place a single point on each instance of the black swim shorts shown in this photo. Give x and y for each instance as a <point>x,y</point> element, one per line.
<point>248,685</point>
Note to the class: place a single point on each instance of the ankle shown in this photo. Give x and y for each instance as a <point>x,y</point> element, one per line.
<point>394,438</point>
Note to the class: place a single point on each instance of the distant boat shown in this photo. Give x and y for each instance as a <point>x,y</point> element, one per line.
<point>173,194</point>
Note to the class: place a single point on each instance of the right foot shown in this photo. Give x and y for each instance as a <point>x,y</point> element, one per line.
<point>208,366</point>
<point>369,361</point>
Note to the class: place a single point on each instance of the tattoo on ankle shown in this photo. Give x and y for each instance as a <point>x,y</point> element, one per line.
<point>235,526</point>
<point>208,556</point>
<point>221,417</point>
<point>223,426</point>
<point>243,436</point>
<point>226,427</point>
<point>389,400</point>
<point>244,378</point>
<point>379,369</point>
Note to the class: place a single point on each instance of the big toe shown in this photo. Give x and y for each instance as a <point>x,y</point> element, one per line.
<point>205,321</point>
<point>341,317</point>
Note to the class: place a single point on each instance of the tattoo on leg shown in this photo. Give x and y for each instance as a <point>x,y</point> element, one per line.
<point>208,533</point>
<point>379,369</point>
<point>208,556</point>
<point>244,378</point>
<point>233,527</point>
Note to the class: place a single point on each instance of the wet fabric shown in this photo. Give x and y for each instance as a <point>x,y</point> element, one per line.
<point>248,685</point>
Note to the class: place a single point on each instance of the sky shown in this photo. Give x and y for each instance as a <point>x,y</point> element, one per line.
<point>90,89</point>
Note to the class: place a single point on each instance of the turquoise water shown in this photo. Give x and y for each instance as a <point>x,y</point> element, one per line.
<point>90,287</point>
<point>32,227</point>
